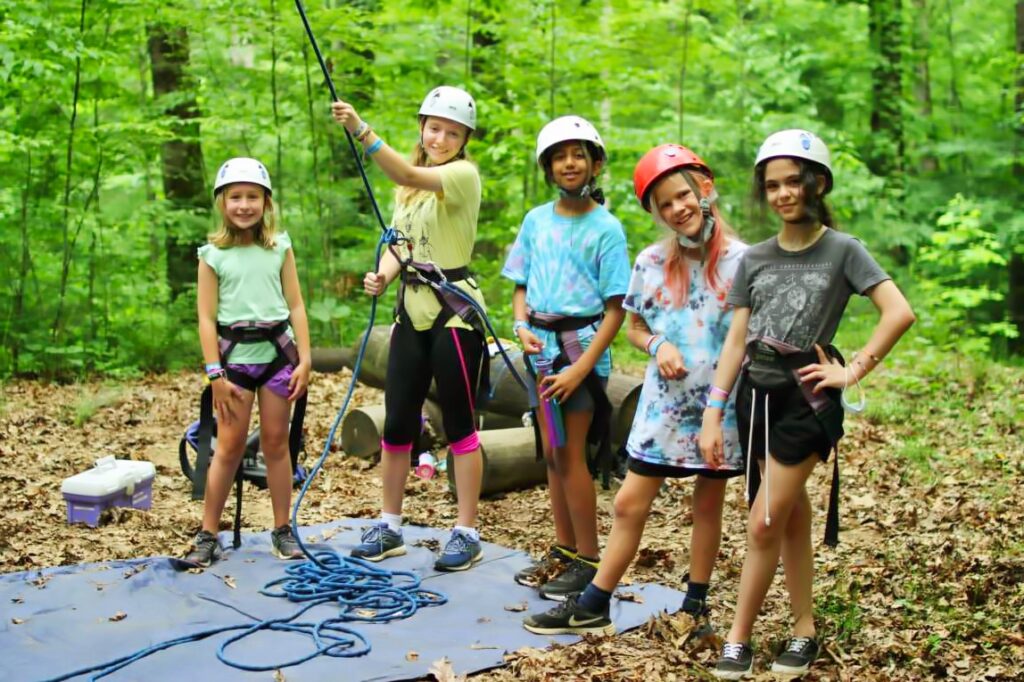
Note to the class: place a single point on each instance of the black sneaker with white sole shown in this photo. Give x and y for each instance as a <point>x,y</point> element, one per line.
<point>283,544</point>
<point>736,662</point>
<point>569,618</point>
<point>797,657</point>
<point>547,568</point>
<point>573,580</point>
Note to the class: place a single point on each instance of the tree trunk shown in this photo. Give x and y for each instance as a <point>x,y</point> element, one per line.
<point>922,80</point>
<point>886,26</point>
<point>182,156</point>
<point>1015,299</point>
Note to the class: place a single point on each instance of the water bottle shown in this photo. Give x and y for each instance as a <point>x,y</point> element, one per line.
<point>427,466</point>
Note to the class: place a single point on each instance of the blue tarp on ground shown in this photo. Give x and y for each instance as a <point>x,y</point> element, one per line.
<point>63,619</point>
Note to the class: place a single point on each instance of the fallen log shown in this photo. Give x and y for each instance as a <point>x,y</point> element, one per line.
<point>509,459</point>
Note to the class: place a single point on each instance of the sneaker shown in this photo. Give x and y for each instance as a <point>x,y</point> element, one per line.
<point>378,542</point>
<point>549,566</point>
<point>283,543</point>
<point>205,550</point>
<point>736,662</point>
<point>797,658</point>
<point>460,553</point>
<point>574,579</point>
<point>569,618</point>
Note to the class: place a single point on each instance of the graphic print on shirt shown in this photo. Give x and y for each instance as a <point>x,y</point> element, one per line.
<point>789,300</point>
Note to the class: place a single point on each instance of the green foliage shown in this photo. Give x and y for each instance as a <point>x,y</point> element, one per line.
<point>86,219</point>
<point>963,270</point>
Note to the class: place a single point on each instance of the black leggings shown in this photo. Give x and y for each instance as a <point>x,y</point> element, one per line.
<point>448,355</point>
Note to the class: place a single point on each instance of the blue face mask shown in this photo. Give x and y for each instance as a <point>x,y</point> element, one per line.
<point>861,404</point>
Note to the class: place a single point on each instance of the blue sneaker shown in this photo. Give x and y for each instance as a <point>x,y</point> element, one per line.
<point>379,542</point>
<point>460,553</point>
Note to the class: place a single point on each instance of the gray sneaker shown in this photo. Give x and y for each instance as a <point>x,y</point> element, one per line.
<point>735,663</point>
<point>205,551</point>
<point>460,553</point>
<point>378,542</point>
<point>283,543</point>
<point>798,656</point>
<point>548,567</point>
<point>573,580</point>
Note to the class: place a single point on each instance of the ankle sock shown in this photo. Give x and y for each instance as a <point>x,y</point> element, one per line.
<point>594,599</point>
<point>394,521</point>
<point>473,534</point>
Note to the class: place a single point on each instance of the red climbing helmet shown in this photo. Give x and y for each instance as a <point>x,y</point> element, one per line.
<point>661,160</point>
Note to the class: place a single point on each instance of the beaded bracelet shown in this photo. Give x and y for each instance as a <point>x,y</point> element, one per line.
<point>360,132</point>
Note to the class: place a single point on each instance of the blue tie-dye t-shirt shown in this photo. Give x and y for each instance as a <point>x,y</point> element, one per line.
<point>570,266</point>
<point>670,412</point>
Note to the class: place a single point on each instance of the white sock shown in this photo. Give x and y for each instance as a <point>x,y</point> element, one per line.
<point>394,521</point>
<point>471,532</point>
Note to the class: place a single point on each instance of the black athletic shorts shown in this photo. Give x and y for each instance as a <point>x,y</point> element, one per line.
<point>795,432</point>
<point>649,469</point>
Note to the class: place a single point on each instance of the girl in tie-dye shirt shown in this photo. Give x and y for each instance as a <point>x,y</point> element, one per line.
<point>571,268</point>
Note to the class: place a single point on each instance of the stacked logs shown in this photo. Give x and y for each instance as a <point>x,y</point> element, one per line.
<point>508,445</point>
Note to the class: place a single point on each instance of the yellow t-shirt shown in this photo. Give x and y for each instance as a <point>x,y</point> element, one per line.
<point>442,229</point>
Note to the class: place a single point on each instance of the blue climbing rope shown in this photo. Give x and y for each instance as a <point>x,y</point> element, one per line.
<point>362,592</point>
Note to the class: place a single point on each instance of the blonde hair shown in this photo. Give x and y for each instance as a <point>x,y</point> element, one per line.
<point>227,235</point>
<point>410,195</point>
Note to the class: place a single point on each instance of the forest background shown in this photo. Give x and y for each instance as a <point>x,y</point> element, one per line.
<point>115,115</point>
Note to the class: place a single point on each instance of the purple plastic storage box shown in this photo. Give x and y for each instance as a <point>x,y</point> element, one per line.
<point>111,483</point>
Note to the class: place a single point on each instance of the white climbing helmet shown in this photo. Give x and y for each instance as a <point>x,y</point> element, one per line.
<point>567,128</point>
<point>454,104</point>
<point>242,169</point>
<point>800,144</point>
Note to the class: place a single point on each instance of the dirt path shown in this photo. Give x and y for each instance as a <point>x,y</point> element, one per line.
<point>928,582</point>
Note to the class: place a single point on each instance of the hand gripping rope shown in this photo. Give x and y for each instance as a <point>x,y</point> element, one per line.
<point>364,593</point>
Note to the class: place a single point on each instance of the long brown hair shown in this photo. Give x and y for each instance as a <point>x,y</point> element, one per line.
<point>263,234</point>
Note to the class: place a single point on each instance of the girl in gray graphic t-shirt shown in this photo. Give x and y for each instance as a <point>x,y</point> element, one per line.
<point>789,294</point>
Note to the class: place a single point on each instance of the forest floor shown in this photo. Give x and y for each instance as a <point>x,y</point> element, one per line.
<point>927,583</point>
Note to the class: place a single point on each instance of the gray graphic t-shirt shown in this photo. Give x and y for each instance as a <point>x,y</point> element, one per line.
<point>798,297</point>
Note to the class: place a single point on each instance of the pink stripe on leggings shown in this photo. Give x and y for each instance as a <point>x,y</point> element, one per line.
<point>465,372</point>
<point>397,449</point>
<point>466,445</point>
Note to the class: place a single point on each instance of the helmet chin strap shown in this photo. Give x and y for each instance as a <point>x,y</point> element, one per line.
<point>708,228</point>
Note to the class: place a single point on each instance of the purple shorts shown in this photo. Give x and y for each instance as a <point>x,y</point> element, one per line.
<point>278,384</point>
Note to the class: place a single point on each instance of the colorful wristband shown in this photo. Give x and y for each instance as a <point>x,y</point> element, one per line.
<point>720,392</point>
<point>716,403</point>
<point>519,324</point>
<point>360,131</point>
<point>653,347</point>
<point>216,374</point>
<point>375,147</point>
<point>212,367</point>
